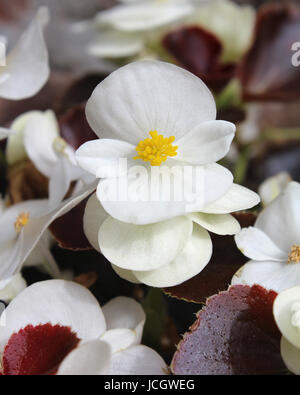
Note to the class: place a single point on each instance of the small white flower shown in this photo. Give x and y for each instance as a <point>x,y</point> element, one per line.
<point>286,310</point>
<point>36,135</point>
<point>97,341</point>
<point>27,65</point>
<point>152,114</point>
<point>23,226</point>
<point>233,24</point>
<point>273,244</point>
<point>162,254</point>
<point>125,29</point>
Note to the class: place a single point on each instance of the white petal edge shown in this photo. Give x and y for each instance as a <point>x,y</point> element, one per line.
<point>220,224</point>
<point>290,355</point>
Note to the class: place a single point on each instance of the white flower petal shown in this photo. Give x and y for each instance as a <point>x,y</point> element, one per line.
<point>40,132</point>
<point>273,186</point>
<point>282,311</point>
<point>5,133</point>
<point>94,216</point>
<point>256,245</point>
<point>126,274</point>
<point>57,302</point>
<point>207,143</point>
<point>191,261</point>
<point>89,358</point>
<point>119,339</point>
<point>39,220</point>
<point>27,65</point>
<point>143,16</point>
<point>290,355</point>
<point>150,199</point>
<point>281,219</point>
<point>102,157</point>
<point>137,360</point>
<point>275,276</point>
<point>236,199</point>
<point>148,95</point>
<point>221,224</point>
<point>11,287</point>
<point>143,247</point>
<point>125,313</point>
<point>114,44</point>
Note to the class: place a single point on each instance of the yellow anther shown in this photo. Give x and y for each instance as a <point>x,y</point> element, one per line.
<point>157,149</point>
<point>294,255</point>
<point>59,145</point>
<point>21,221</point>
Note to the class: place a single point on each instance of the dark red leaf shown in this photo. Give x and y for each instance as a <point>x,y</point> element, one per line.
<point>68,229</point>
<point>234,334</point>
<point>199,51</point>
<point>217,275</point>
<point>74,127</point>
<point>266,71</point>
<point>38,350</point>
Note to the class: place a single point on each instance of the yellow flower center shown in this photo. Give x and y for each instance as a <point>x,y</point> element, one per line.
<point>294,255</point>
<point>59,145</point>
<point>156,149</point>
<point>21,221</point>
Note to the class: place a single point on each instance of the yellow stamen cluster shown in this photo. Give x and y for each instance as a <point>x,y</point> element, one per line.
<point>21,221</point>
<point>156,149</point>
<point>294,255</point>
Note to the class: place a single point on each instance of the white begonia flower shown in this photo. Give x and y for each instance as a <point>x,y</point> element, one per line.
<point>273,244</point>
<point>162,254</point>
<point>233,24</point>
<point>37,137</point>
<point>273,186</point>
<point>125,29</point>
<point>26,68</point>
<point>23,226</point>
<point>96,341</point>
<point>286,311</point>
<point>139,112</point>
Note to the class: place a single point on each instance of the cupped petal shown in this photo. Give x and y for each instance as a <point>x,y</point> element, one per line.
<point>144,16</point>
<point>137,360</point>
<point>236,199</point>
<point>191,261</point>
<point>5,133</point>
<point>27,65</point>
<point>125,313</point>
<point>11,287</point>
<point>102,157</point>
<point>220,224</point>
<point>145,96</point>
<point>57,302</point>
<point>256,245</point>
<point>284,310</point>
<point>127,275</point>
<point>281,219</point>
<point>276,276</point>
<point>119,339</point>
<point>290,355</point>
<point>40,132</point>
<point>207,143</point>
<point>271,188</point>
<point>114,44</point>
<point>143,247</point>
<point>94,216</point>
<point>89,358</point>
<point>150,196</point>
